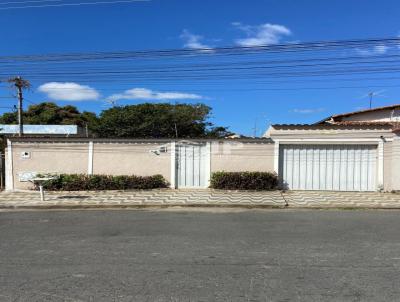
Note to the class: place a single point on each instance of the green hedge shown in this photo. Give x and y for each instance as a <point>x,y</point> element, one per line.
<point>260,181</point>
<point>83,182</point>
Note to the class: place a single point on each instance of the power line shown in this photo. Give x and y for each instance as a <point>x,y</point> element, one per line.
<point>253,82</point>
<point>130,76</point>
<point>234,65</point>
<point>29,1</point>
<point>318,45</point>
<point>268,89</point>
<point>226,68</point>
<point>187,70</point>
<point>72,4</point>
<point>31,102</point>
<point>271,64</point>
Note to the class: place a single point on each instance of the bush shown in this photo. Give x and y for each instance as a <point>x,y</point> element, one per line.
<point>83,182</point>
<point>260,181</point>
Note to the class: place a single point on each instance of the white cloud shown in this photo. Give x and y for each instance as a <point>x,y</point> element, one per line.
<point>308,111</point>
<point>376,50</point>
<point>263,34</point>
<point>147,94</point>
<point>69,91</point>
<point>193,41</point>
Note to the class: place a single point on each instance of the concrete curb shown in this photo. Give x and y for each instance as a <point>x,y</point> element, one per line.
<point>188,206</point>
<point>139,206</point>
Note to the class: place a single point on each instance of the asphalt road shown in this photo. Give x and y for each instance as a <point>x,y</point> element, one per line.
<point>254,255</point>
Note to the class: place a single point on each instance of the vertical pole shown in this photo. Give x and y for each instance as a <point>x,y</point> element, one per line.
<point>18,84</point>
<point>173,165</point>
<point>381,165</point>
<point>370,99</point>
<point>208,164</point>
<point>41,192</point>
<point>2,171</point>
<point>276,157</point>
<point>90,159</point>
<point>9,167</point>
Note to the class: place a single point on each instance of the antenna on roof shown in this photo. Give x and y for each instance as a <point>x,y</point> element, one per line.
<point>371,95</point>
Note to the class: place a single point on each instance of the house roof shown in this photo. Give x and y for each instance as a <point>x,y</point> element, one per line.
<point>33,139</point>
<point>341,125</point>
<point>338,116</point>
<point>40,129</point>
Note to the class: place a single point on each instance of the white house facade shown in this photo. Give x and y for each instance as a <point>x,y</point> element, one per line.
<point>357,151</point>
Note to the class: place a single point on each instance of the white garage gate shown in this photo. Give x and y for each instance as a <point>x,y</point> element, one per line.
<point>328,167</point>
<point>192,165</point>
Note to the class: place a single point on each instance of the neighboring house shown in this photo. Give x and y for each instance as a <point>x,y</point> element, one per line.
<point>42,130</point>
<point>358,151</point>
<point>386,115</point>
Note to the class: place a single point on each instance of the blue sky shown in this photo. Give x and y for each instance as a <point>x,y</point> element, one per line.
<point>172,24</point>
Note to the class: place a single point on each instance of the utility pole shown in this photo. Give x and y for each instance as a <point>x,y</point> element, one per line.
<point>371,94</point>
<point>20,84</point>
<point>20,99</point>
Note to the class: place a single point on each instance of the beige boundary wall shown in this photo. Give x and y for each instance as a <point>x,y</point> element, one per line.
<point>124,157</point>
<point>236,156</point>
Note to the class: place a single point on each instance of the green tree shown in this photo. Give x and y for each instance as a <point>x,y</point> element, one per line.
<point>164,120</point>
<point>48,113</point>
<point>135,121</point>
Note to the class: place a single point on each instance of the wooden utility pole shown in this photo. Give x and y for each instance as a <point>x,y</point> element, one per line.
<point>20,99</point>
<point>20,84</point>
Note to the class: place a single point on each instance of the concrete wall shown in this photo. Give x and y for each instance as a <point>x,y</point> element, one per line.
<point>387,166</point>
<point>392,165</point>
<point>128,159</point>
<point>113,159</point>
<point>395,164</point>
<point>136,158</point>
<point>48,157</point>
<point>237,156</point>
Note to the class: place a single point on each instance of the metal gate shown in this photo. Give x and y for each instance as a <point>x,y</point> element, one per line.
<point>192,160</point>
<point>328,167</point>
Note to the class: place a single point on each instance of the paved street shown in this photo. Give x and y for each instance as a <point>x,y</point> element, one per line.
<point>202,255</point>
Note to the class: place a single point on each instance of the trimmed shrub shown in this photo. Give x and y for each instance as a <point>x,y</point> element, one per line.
<point>83,182</point>
<point>260,181</point>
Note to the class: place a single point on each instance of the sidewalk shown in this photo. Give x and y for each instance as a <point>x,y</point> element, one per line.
<point>199,198</point>
<point>330,199</point>
<point>162,197</point>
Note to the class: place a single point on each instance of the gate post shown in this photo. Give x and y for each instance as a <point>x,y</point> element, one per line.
<point>173,165</point>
